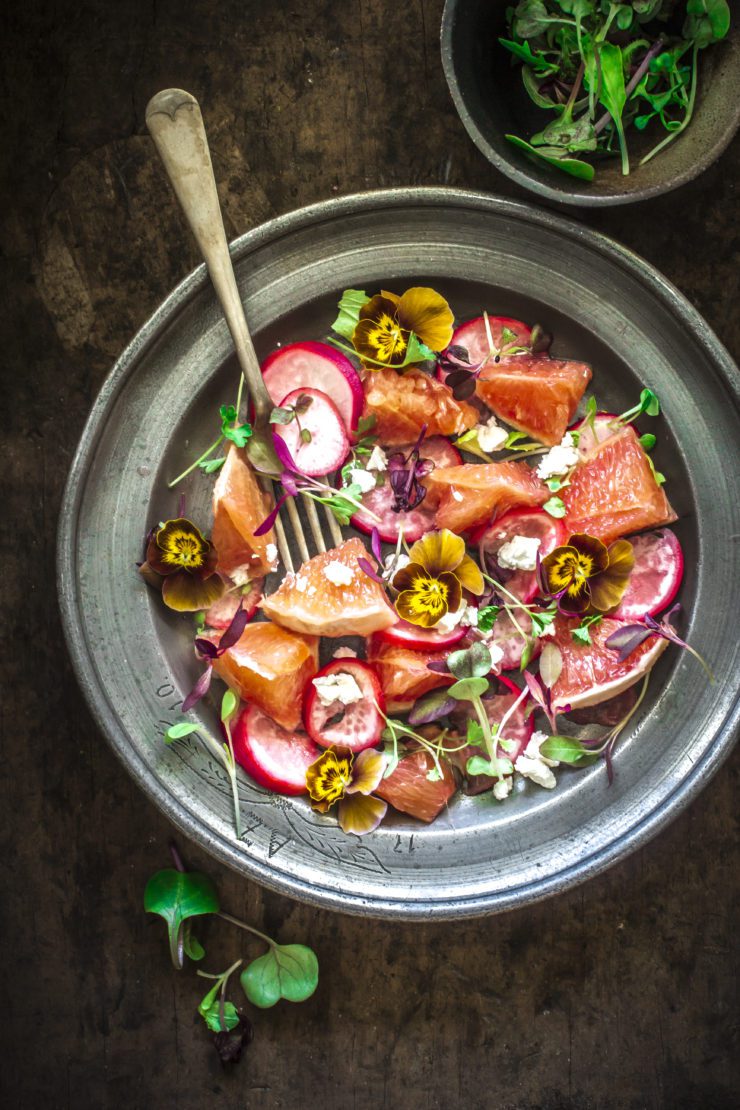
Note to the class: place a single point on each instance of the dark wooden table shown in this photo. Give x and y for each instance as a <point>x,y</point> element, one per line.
<point>616,995</point>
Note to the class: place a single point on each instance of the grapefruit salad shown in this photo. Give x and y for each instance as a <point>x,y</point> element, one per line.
<point>507,573</point>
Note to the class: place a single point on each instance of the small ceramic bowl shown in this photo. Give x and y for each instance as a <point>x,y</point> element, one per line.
<point>491,102</point>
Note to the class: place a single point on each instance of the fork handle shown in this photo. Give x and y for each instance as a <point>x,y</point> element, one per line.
<point>175,123</point>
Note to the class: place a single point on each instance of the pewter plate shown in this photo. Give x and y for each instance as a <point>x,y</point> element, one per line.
<point>156,411</point>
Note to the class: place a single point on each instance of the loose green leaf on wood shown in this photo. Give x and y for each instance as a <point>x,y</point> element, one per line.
<point>289,971</point>
<point>176,896</point>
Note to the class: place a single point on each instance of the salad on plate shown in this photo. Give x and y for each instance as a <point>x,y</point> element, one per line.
<point>505,583</point>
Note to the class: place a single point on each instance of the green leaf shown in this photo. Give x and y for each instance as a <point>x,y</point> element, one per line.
<point>707,21</point>
<point>648,441</point>
<point>210,466</point>
<point>417,351</point>
<point>581,634</point>
<point>553,156</point>
<point>531,19</point>
<point>474,733</point>
<point>280,415</point>
<point>176,896</point>
<point>556,483</point>
<point>306,436</point>
<point>649,403</point>
<point>472,662</point>
<point>566,749</point>
<point>477,765</point>
<point>179,731</point>
<point>555,507</point>
<point>551,664</point>
<point>542,622</point>
<point>192,947</point>
<point>613,93</point>
<point>468,689</point>
<point>531,82</point>
<point>229,705</point>
<point>567,133</point>
<point>487,617</point>
<point>527,653</point>
<point>239,435</point>
<point>289,971</point>
<point>212,1016</point>
<point>365,424</point>
<point>351,301</point>
<point>625,16</point>
<point>537,60</point>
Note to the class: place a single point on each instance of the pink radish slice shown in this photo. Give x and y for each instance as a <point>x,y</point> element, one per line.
<point>222,612</point>
<point>533,523</point>
<point>381,499</point>
<point>506,636</point>
<point>656,575</point>
<point>518,729</point>
<point>412,636</point>
<point>328,446</point>
<point>359,724</point>
<point>314,365</point>
<point>272,756</point>
<point>473,336</point>
<point>588,437</point>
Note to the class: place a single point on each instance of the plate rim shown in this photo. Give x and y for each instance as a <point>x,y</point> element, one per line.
<point>649,825</point>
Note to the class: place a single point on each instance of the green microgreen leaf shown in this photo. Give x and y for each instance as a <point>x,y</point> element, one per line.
<point>179,731</point>
<point>494,768</point>
<point>280,415</point>
<point>229,705</point>
<point>649,403</point>
<point>581,634</point>
<point>487,617</point>
<point>566,749</point>
<point>648,441</point>
<point>210,466</point>
<point>176,896</point>
<point>553,156</point>
<point>212,1016</point>
<point>468,689</point>
<point>555,507</point>
<point>289,971</point>
<point>537,60</point>
<point>351,301</point>
<point>474,734</point>
<point>472,662</point>
<point>542,622</point>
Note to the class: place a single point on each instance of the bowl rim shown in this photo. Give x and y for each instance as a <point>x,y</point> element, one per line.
<point>102,710</point>
<point>516,171</point>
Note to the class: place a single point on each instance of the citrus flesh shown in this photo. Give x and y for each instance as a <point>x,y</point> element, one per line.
<point>403,672</point>
<point>409,790</point>
<point>239,507</point>
<point>537,395</point>
<point>403,403</point>
<point>471,494</point>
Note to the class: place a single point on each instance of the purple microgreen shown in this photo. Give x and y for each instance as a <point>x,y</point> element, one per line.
<point>205,647</point>
<point>283,453</point>
<point>540,340</point>
<point>366,566</point>
<point>270,519</point>
<point>233,633</point>
<point>627,639</point>
<point>375,545</point>
<point>200,689</point>
<point>181,505</point>
<point>289,484</point>
<point>439,667</point>
<point>542,697</point>
<point>430,707</point>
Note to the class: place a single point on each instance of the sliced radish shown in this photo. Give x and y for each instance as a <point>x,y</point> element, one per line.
<point>532,523</point>
<point>656,575</point>
<point>314,365</point>
<point>380,500</point>
<point>328,445</point>
<point>272,756</point>
<point>588,436</point>
<point>222,612</point>
<point>473,336</point>
<point>420,639</point>
<point>357,725</point>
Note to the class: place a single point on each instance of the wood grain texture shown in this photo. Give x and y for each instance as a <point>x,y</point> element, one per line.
<point>616,996</point>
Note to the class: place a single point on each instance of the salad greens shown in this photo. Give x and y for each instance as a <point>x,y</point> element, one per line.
<point>604,68</point>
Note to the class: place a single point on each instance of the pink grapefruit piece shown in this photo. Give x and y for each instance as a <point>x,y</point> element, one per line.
<point>535,394</point>
<point>409,790</point>
<point>223,611</point>
<point>470,495</point>
<point>239,507</point>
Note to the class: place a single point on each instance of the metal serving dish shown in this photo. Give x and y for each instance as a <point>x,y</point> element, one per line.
<point>157,409</point>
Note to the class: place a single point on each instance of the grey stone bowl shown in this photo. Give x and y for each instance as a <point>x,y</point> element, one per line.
<point>491,102</point>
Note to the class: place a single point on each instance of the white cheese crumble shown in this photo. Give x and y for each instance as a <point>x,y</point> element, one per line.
<point>502,788</point>
<point>363,479</point>
<point>378,459</point>
<point>344,653</point>
<point>470,616</point>
<point>559,459</point>
<point>301,584</point>
<point>497,654</point>
<point>535,766</point>
<point>340,687</point>
<point>271,554</point>
<point>397,563</point>
<point>519,553</point>
<point>338,574</point>
<point>491,436</point>
<point>450,621</point>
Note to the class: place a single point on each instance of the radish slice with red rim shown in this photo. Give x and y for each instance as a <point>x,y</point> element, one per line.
<point>314,365</point>
<point>272,756</point>
<point>316,437</point>
<point>356,725</point>
<point>473,336</point>
<point>420,639</point>
<point>531,523</point>
<point>656,575</point>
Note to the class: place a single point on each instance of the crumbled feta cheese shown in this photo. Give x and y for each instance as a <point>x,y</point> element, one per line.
<point>344,653</point>
<point>361,478</point>
<point>271,554</point>
<point>497,654</point>
<point>311,591</point>
<point>535,766</point>
<point>397,563</point>
<point>502,788</point>
<point>378,459</point>
<point>338,687</point>
<point>470,616</point>
<point>338,574</point>
<point>559,459</point>
<point>518,553</point>
<point>532,749</point>
<point>301,584</point>
<point>456,495</point>
<point>450,621</point>
<point>491,436</point>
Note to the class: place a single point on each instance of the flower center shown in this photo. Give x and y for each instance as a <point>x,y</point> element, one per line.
<point>388,338</point>
<point>183,549</point>
<point>331,782</point>
<point>571,571</point>
<point>429,596</point>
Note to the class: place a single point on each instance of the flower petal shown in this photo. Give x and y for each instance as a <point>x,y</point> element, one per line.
<point>187,593</point>
<point>559,568</point>
<point>454,590</point>
<point>592,550</point>
<point>608,587</point>
<point>425,312</point>
<point>406,578</point>
<point>409,608</point>
<point>469,575</point>
<point>178,545</point>
<point>367,772</point>
<point>360,814</point>
<point>438,551</point>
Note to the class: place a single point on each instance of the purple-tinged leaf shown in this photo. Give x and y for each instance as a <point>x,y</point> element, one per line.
<point>439,667</point>
<point>289,484</point>
<point>233,633</point>
<point>431,707</point>
<point>375,545</point>
<point>460,354</point>
<point>199,690</point>
<point>205,647</point>
<point>627,639</point>
<point>283,453</point>
<point>270,519</point>
<point>369,570</point>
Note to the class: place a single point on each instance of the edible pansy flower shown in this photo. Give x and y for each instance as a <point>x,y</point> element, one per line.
<point>337,776</point>
<point>586,576</point>
<point>182,562</point>
<point>387,322</point>
<point>431,584</point>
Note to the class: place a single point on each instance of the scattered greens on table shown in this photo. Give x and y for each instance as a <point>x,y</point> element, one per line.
<point>602,68</point>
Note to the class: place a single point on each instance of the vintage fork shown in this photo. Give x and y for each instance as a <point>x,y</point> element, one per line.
<point>175,123</point>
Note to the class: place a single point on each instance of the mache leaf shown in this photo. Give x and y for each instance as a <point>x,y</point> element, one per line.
<point>176,896</point>
<point>289,971</point>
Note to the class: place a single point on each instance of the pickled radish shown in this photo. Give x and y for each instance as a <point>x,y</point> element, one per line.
<point>274,757</point>
<point>316,437</point>
<point>413,636</point>
<point>315,366</point>
<point>356,725</point>
<point>656,575</point>
<point>473,336</point>
<point>531,524</point>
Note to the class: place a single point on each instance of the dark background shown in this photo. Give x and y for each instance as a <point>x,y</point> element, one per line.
<point>619,994</point>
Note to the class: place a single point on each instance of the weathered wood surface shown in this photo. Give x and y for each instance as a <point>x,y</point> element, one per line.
<point>616,995</point>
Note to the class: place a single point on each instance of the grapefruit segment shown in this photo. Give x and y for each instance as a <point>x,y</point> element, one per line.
<point>409,790</point>
<point>239,507</point>
<point>613,491</point>
<point>403,672</point>
<point>592,673</point>
<point>470,494</point>
<point>332,596</point>
<point>403,403</point>
<point>274,757</point>
<point>270,667</point>
<point>223,611</point>
<point>537,395</point>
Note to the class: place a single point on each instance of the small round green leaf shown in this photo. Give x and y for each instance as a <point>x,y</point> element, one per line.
<point>289,971</point>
